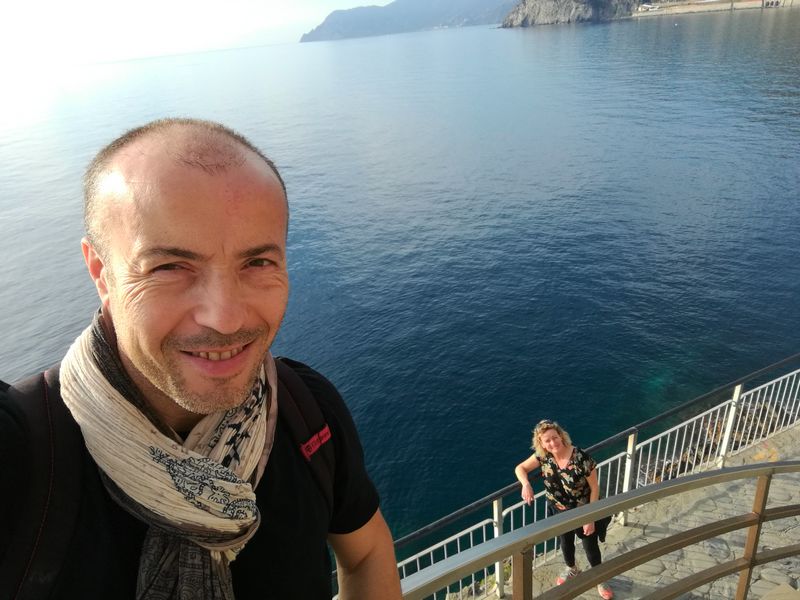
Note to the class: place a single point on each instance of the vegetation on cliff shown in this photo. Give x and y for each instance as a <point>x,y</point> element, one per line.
<point>408,15</point>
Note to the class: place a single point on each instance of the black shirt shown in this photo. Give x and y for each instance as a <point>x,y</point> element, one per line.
<point>286,558</point>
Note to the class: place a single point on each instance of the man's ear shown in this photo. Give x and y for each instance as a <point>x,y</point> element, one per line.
<point>97,271</point>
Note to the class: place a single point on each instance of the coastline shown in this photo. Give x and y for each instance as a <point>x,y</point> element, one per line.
<point>707,6</point>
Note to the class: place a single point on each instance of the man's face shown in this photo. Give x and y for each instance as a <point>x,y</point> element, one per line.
<point>194,278</point>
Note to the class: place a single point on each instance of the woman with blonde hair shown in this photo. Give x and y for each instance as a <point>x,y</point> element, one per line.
<point>570,480</point>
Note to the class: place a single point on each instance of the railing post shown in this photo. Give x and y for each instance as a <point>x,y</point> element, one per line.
<point>628,482</point>
<point>751,545</point>
<point>499,575</point>
<point>522,572</point>
<point>722,454</point>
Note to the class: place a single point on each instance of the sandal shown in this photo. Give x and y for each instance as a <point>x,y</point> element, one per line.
<point>567,573</point>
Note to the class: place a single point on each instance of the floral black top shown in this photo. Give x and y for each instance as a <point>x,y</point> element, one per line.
<point>567,488</point>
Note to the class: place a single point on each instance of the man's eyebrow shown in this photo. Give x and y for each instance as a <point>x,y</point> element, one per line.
<point>175,252</point>
<point>263,249</point>
<point>169,252</point>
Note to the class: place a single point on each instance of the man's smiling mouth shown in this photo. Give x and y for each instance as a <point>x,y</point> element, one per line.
<point>218,355</point>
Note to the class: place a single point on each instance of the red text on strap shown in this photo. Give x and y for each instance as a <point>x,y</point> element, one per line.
<point>315,442</point>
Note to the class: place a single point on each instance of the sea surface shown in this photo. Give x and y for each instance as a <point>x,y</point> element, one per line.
<point>591,223</point>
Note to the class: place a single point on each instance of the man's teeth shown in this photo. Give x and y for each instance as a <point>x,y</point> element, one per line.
<point>218,355</point>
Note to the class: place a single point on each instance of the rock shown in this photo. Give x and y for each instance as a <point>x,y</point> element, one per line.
<point>547,12</point>
<point>773,575</point>
<point>717,549</point>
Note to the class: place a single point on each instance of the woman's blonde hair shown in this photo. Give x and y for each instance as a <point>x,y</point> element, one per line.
<point>540,428</point>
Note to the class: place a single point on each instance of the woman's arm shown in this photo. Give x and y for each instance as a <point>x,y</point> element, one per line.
<point>594,496</point>
<point>521,471</point>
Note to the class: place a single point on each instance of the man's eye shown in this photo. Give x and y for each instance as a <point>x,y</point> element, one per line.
<point>167,267</point>
<point>260,262</point>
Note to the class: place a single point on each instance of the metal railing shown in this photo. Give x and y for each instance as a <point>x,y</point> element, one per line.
<point>522,543</point>
<point>697,443</point>
<point>455,544</point>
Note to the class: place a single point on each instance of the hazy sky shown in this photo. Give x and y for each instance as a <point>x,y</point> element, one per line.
<point>90,30</point>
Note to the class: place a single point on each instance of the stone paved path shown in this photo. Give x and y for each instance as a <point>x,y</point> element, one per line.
<point>673,515</point>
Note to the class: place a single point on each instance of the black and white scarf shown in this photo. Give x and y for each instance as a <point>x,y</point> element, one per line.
<point>196,495</point>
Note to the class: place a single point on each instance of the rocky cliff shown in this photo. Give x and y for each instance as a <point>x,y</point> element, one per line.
<point>547,12</point>
<point>408,15</point>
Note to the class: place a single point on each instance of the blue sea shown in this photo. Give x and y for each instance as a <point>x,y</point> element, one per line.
<point>591,223</point>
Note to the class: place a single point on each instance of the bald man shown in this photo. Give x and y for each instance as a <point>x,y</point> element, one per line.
<point>188,482</point>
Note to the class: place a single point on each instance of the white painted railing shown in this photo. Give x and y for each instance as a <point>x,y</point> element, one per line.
<point>468,538</point>
<point>698,443</point>
<point>766,410</point>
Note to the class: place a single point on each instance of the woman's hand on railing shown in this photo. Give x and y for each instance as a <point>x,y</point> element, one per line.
<point>527,493</point>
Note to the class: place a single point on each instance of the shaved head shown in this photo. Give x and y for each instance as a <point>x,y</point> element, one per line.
<point>204,145</point>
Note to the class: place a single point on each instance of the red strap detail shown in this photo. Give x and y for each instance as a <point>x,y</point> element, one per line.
<point>315,442</point>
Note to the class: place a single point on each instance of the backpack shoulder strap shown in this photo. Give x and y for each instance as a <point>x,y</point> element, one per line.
<point>302,415</point>
<point>47,516</point>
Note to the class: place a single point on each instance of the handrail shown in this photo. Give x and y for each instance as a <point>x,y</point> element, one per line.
<point>504,491</point>
<point>436,577</point>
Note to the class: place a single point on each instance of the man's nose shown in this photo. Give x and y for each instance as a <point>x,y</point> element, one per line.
<point>220,304</point>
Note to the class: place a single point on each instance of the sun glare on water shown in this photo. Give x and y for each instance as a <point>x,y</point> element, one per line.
<point>41,43</point>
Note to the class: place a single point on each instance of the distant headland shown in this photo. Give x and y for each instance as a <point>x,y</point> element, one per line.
<point>403,16</point>
<point>408,15</point>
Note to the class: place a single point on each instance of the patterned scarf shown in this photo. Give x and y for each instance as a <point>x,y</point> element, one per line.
<point>196,495</point>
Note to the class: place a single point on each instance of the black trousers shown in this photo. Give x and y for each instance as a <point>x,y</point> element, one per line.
<point>567,542</point>
<point>590,546</point>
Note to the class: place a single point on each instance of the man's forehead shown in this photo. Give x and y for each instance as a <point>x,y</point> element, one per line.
<point>113,185</point>
<point>142,162</point>
<point>153,156</point>
<point>157,162</point>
